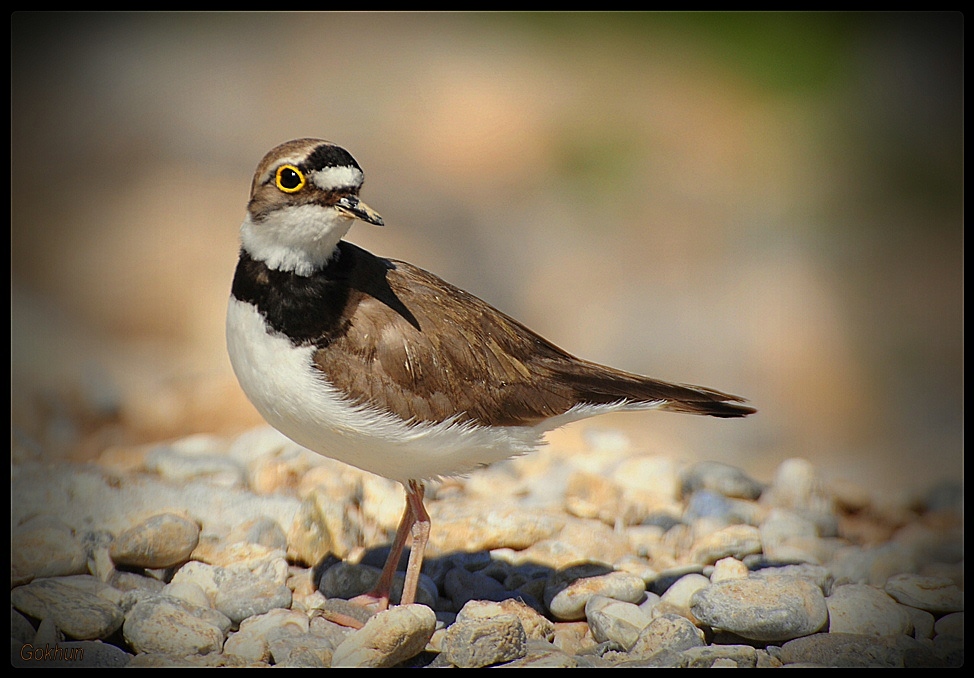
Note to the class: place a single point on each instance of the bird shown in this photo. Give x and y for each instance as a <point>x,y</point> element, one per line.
<point>386,367</point>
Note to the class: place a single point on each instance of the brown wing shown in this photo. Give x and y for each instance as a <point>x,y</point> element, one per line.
<point>423,349</point>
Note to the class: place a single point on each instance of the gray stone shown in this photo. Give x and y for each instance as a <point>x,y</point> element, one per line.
<point>765,609</point>
<point>846,650</point>
<point>727,480</point>
<point>165,625</point>
<point>80,614</point>
<point>863,609</point>
<point>478,642</point>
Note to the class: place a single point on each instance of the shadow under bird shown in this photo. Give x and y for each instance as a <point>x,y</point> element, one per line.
<point>386,367</point>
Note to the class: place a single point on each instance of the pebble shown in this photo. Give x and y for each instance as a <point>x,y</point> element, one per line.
<point>615,620</point>
<point>80,614</point>
<point>231,553</point>
<point>473,642</point>
<point>536,626</point>
<point>567,592</point>
<point>862,609</point>
<point>677,598</point>
<point>728,568</point>
<point>723,479</point>
<point>387,638</point>
<point>171,626</point>
<point>950,625</point>
<point>669,632</point>
<point>46,547</point>
<point>161,541</point>
<point>850,650</point>
<point>762,609</point>
<point>734,541</point>
<point>937,595</point>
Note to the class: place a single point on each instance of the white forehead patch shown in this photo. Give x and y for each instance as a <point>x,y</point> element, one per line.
<point>295,160</point>
<point>331,178</point>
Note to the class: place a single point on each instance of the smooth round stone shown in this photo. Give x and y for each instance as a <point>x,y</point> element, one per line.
<point>724,479</point>
<point>45,547</point>
<point>849,650</point>
<point>677,597</point>
<point>950,625</point>
<point>736,541</point>
<point>388,638</point>
<point>765,609</point>
<point>165,625</point>
<point>80,614</point>
<point>473,642</point>
<point>862,609</point>
<point>937,595</point>
<point>161,541</point>
<point>729,568</point>
<point>668,577</point>
<point>567,601</point>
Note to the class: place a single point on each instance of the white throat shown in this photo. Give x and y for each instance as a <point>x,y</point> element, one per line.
<point>298,239</point>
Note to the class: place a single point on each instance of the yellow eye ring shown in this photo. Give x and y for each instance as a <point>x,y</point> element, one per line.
<point>290,179</point>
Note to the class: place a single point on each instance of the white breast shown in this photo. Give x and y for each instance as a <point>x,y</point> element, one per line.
<point>296,399</point>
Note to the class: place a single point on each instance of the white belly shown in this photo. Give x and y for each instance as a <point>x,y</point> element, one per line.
<point>296,399</point>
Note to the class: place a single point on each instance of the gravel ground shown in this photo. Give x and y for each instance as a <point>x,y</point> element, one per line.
<point>212,551</point>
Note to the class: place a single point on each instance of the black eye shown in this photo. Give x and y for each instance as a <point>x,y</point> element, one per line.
<point>290,179</point>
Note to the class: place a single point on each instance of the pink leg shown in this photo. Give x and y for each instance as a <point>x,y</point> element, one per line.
<point>379,595</point>
<point>421,534</point>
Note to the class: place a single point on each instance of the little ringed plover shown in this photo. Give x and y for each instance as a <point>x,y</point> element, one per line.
<point>386,367</point>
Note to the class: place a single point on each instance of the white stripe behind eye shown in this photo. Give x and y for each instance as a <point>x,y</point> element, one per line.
<point>295,160</point>
<point>331,178</point>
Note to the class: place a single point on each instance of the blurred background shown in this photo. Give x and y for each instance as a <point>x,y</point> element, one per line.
<point>767,204</point>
